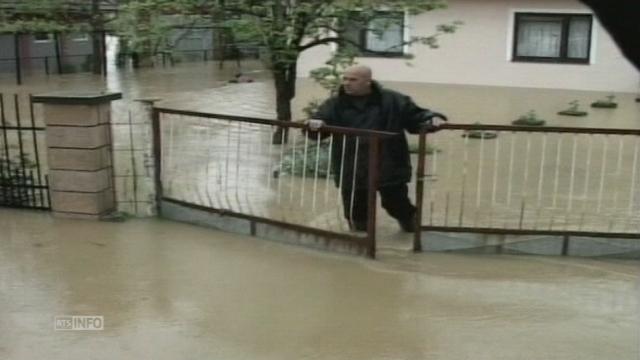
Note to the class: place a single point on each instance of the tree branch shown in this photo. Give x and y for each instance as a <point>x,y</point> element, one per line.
<point>323,41</point>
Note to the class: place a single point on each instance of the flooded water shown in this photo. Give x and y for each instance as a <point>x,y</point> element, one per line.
<point>169,291</point>
<point>157,82</point>
<point>131,125</point>
<point>203,87</point>
<point>187,85</point>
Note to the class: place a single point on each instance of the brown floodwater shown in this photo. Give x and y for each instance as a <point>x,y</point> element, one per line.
<point>174,291</point>
<point>557,193</point>
<point>188,85</point>
<point>169,290</point>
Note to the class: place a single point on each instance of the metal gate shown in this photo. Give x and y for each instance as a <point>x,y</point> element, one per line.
<point>226,172</point>
<point>23,179</point>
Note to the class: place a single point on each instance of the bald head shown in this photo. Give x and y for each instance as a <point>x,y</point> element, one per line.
<point>356,80</point>
<point>360,70</point>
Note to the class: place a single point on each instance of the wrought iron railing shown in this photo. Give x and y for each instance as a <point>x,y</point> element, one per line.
<point>529,180</point>
<point>23,179</point>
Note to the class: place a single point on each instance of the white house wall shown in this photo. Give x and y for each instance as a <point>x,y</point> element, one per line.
<point>480,52</point>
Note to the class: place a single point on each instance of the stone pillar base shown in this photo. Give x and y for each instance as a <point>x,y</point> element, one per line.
<point>79,144</point>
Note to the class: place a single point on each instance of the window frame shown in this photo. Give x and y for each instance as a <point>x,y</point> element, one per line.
<point>80,37</point>
<point>42,41</point>
<point>363,34</point>
<point>564,41</point>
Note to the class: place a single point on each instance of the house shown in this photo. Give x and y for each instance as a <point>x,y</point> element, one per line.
<point>557,44</point>
<point>46,53</point>
<point>38,51</point>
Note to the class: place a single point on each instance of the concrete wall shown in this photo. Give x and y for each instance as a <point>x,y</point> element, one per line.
<point>480,52</point>
<point>546,245</point>
<point>177,212</point>
<point>33,54</point>
<point>76,54</point>
<point>7,63</point>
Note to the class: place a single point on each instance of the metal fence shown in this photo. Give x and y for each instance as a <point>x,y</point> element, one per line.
<point>235,52</point>
<point>48,65</point>
<point>484,179</point>
<point>230,166</point>
<point>133,157</point>
<point>23,179</point>
<point>529,180</point>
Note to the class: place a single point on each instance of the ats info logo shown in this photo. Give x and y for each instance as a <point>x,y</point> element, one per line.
<point>77,322</point>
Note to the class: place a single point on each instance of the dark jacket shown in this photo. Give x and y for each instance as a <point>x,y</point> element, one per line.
<point>385,110</point>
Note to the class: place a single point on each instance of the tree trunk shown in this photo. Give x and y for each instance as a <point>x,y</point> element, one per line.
<point>97,25</point>
<point>98,50</point>
<point>143,56</point>
<point>285,83</point>
<point>220,47</point>
<point>144,59</point>
<point>219,44</point>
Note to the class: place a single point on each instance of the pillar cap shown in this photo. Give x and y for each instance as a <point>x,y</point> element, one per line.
<point>77,98</point>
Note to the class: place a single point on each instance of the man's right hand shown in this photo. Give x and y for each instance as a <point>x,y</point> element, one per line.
<point>314,124</point>
<point>435,119</point>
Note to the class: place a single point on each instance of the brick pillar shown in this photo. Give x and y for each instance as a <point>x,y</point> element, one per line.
<point>79,153</point>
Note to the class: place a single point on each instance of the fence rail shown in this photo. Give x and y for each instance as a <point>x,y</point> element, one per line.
<point>50,65</point>
<point>529,180</point>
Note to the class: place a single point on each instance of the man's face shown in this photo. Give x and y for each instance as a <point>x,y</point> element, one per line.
<point>356,83</point>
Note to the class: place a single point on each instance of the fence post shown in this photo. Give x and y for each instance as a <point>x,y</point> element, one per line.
<point>18,58</point>
<point>422,154</point>
<point>56,44</point>
<point>103,53</point>
<point>152,124</point>
<point>79,149</point>
<point>157,157</point>
<point>374,172</point>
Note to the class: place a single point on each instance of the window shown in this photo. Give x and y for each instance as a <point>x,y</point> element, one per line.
<point>80,37</point>
<point>42,38</point>
<point>558,38</point>
<point>382,36</point>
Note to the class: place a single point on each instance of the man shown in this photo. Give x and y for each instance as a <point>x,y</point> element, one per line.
<point>362,103</point>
